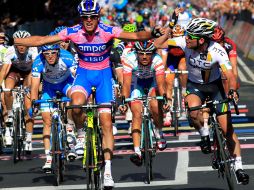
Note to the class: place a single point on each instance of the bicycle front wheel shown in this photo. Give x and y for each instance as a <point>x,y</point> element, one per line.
<point>225,161</point>
<point>56,156</point>
<point>90,175</point>
<point>175,111</point>
<point>147,151</point>
<point>16,136</point>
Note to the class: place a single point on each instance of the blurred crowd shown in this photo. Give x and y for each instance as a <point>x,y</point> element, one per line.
<point>145,12</point>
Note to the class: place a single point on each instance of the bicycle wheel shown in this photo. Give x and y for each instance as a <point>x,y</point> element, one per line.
<point>16,134</point>
<point>89,161</point>
<point>147,151</point>
<point>100,159</point>
<point>1,131</point>
<point>55,153</point>
<point>62,154</point>
<point>225,163</point>
<point>175,109</point>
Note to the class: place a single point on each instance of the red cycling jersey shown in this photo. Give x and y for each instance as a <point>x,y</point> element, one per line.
<point>230,47</point>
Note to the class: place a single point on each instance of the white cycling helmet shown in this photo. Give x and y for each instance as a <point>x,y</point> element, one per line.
<point>21,34</point>
<point>201,27</point>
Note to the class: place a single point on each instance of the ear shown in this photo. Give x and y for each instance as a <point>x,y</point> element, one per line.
<point>201,41</point>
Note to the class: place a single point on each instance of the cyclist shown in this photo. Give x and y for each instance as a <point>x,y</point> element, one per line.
<point>204,57</point>
<point>93,41</point>
<point>230,47</point>
<point>174,59</point>
<point>143,68</point>
<point>54,66</point>
<point>181,16</point>
<point>17,64</point>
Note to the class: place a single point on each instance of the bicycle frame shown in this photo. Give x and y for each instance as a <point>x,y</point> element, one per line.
<point>57,137</point>
<point>147,145</point>
<point>176,108</point>
<point>222,159</point>
<point>19,124</point>
<point>93,158</point>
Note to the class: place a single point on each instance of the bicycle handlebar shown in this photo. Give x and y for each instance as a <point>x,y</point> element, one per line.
<point>177,71</point>
<point>54,100</point>
<point>144,98</point>
<point>212,103</point>
<point>90,106</point>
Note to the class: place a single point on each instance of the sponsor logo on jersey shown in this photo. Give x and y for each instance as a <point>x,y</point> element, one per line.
<point>219,51</point>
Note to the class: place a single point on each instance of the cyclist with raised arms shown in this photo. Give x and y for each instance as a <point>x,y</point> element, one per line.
<point>17,64</point>
<point>230,47</point>
<point>93,41</point>
<point>143,69</point>
<point>54,66</point>
<point>204,58</point>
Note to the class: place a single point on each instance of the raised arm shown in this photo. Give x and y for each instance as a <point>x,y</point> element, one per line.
<point>37,40</point>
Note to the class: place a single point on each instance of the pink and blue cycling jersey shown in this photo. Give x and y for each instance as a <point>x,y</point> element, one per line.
<point>94,68</point>
<point>93,51</point>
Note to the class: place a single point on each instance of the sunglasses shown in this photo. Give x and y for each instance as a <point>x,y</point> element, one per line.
<point>192,37</point>
<point>47,53</point>
<point>145,53</point>
<point>92,17</point>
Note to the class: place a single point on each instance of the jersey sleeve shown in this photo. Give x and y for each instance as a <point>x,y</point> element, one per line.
<point>222,58</point>
<point>69,32</point>
<point>157,65</point>
<point>9,55</point>
<point>232,52</point>
<point>128,65</point>
<point>37,67</point>
<point>177,42</point>
<point>34,52</point>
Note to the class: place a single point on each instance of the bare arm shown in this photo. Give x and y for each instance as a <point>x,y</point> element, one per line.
<point>126,85</point>
<point>4,71</point>
<point>35,88</point>
<point>232,80</point>
<point>161,42</point>
<point>160,79</point>
<point>233,61</point>
<point>134,36</point>
<point>37,40</point>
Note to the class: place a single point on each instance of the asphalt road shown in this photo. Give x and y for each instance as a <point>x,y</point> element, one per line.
<point>180,166</point>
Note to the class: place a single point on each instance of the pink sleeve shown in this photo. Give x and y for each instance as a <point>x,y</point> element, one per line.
<point>63,35</point>
<point>117,31</point>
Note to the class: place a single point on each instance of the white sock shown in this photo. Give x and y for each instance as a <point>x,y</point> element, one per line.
<point>107,170</point>
<point>29,136</point>
<point>137,150</point>
<point>238,163</point>
<point>48,156</point>
<point>81,132</point>
<point>204,131</point>
<point>9,112</point>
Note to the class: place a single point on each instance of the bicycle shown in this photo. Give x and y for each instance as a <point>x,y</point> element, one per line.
<point>221,159</point>
<point>58,137</point>
<point>93,158</point>
<point>18,124</point>
<point>2,128</point>
<point>148,144</point>
<point>176,108</point>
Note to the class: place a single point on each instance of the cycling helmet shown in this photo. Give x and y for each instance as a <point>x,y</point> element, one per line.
<point>57,30</point>
<point>21,34</point>
<point>50,47</point>
<point>181,5</point>
<point>178,30</point>
<point>89,7</point>
<point>201,27</point>
<point>145,46</point>
<point>218,34</point>
<point>129,28</point>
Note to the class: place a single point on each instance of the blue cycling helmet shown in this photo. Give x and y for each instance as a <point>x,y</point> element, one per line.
<point>181,4</point>
<point>50,47</point>
<point>57,30</point>
<point>89,7</point>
